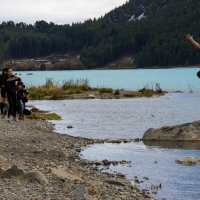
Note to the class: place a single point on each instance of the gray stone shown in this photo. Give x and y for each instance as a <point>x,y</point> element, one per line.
<point>96,162</point>
<point>188,160</point>
<point>106,162</point>
<point>64,174</point>
<point>120,175</point>
<point>136,180</point>
<point>125,162</point>
<point>81,193</point>
<point>91,96</point>
<point>14,171</point>
<point>36,176</point>
<point>188,131</point>
<point>115,162</point>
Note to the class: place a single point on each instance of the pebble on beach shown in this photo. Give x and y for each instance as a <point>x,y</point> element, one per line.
<point>30,150</point>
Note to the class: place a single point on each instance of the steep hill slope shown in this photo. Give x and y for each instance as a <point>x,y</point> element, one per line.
<point>137,9</point>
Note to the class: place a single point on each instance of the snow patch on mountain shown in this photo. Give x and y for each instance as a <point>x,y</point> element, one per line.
<point>132,17</point>
<point>141,16</point>
<point>137,18</point>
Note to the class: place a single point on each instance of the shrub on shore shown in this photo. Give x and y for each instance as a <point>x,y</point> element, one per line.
<point>105,90</point>
<point>25,66</point>
<point>144,92</point>
<point>52,90</point>
<point>76,87</point>
<point>41,114</point>
<point>72,64</point>
<point>117,92</point>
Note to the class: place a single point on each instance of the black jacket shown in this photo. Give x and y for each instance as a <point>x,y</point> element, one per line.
<point>20,93</point>
<point>11,85</point>
<point>2,83</point>
<point>2,80</point>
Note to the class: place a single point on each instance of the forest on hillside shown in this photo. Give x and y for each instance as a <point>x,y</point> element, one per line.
<point>158,41</point>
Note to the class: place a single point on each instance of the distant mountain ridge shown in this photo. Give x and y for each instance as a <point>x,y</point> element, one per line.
<point>151,32</point>
<point>137,9</point>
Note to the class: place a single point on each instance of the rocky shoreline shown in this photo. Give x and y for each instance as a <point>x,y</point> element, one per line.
<point>31,147</point>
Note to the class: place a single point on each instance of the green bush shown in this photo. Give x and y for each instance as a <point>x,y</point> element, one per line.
<point>105,90</point>
<point>117,92</point>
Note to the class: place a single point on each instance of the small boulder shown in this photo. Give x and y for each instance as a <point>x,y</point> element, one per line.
<point>91,96</point>
<point>125,162</point>
<point>115,162</point>
<point>64,174</point>
<point>183,132</point>
<point>97,162</point>
<point>36,176</point>
<point>81,193</point>
<point>136,180</point>
<point>120,175</point>
<point>14,171</point>
<point>188,160</point>
<point>106,162</point>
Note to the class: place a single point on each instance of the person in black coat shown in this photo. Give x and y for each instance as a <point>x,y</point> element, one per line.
<point>11,90</point>
<point>2,86</point>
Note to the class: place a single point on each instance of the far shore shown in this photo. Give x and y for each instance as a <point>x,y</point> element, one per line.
<point>117,68</point>
<point>152,67</point>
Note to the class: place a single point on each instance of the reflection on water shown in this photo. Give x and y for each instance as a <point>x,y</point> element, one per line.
<point>174,144</point>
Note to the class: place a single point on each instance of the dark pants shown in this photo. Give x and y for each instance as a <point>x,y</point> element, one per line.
<point>12,99</point>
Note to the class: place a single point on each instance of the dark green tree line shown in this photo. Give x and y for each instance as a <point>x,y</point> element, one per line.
<point>154,41</point>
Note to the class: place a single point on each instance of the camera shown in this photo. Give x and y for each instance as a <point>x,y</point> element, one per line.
<point>23,86</point>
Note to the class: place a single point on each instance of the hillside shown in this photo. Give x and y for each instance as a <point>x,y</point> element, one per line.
<point>138,9</point>
<point>151,32</point>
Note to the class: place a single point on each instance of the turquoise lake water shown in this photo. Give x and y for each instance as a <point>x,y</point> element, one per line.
<point>130,118</point>
<point>173,79</point>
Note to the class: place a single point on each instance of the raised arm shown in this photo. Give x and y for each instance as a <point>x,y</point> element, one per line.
<point>190,38</point>
<point>14,78</point>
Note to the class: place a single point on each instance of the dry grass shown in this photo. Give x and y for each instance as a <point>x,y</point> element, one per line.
<point>56,91</point>
<point>52,90</point>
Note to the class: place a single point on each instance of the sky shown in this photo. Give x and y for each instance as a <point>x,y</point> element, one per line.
<point>57,11</point>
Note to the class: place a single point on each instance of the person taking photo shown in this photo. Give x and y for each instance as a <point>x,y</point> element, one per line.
<point>11,89</point>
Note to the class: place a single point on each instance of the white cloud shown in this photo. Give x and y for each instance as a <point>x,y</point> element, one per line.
<point>57,11</point>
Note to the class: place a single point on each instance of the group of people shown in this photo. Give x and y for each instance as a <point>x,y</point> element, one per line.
<point>13,95</point>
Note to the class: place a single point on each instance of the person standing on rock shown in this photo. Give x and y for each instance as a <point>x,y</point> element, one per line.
<point>190,38</point>
<point>3,91</point>
<point>11,90</point>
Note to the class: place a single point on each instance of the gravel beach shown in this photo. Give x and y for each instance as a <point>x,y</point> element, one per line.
<point>31,146</point>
